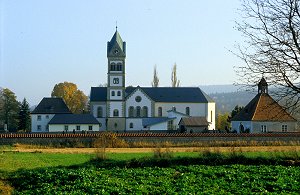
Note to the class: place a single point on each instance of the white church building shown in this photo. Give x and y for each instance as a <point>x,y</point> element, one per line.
<point>120,108</point>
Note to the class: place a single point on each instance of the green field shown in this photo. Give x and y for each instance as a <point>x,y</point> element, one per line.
<point>141,173</point>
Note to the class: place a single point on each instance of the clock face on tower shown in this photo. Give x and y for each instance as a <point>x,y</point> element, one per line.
<point>116,80</point>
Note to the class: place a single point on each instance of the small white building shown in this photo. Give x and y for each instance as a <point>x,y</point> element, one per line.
<point>53,115</point>
<point>45,111</point>
<point>263,114</point>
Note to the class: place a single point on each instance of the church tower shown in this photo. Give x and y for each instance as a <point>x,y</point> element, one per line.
<point>116,54</point>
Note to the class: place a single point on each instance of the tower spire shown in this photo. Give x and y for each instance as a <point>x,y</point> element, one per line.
<point>116,25</point>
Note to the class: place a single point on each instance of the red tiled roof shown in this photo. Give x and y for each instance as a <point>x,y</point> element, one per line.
<point>263,108</point>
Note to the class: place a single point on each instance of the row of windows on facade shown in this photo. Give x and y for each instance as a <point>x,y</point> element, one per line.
<point>113,93</point>
<point>138,111</point>
<point>66,127</point>
<point>116,67</point>
<point>39,117</point>
<point>284,128</point>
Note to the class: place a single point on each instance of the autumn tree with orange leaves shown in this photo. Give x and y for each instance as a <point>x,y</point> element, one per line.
<point>75,99</point>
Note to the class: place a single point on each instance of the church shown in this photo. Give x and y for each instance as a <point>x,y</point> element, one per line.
<point>119,108</point>
<point>123,109</point>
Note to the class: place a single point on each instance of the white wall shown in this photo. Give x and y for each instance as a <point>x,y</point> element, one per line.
<point>255,126</point>
<point>94,107</point>
<point>235,125</point>
<point>177,117</point>
<point>137,124</point>
<point>144,102</point>
<point>273,126</point>
<point>61,127</point>
<point>43,122</point>
<point>116,105</point>
<point>196,109</point>
<point>211,115</point>
<point>102,125</point>
<point>159,126</point>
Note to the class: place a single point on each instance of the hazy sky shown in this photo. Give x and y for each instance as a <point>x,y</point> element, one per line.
<point>52,41</point>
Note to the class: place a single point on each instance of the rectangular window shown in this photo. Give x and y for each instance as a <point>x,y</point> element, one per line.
<point>66,127</point>
<point>263,128</point>
<point>90,128</point>
<point>39,117</point>
<point>47,116</point>
<point>284,128</point>
<point>78,127</point>
<point>39,127</point>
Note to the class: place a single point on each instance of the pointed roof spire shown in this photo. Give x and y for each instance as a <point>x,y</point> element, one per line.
<point>263,86</point>
<point>116,41</point>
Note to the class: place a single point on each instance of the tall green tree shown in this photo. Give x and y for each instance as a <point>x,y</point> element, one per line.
<point>75,99</point>
<point>234,112</point>
<point>9,108</point>
<point>24,116</point>
<point>222,123</point>
<point>175,81</point>
<point>155,82</point>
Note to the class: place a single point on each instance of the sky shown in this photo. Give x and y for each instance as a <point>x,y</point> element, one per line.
<point>43,43</point>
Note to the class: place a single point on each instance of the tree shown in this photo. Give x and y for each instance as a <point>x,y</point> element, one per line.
<point>75,99</point>
<point>235,111</point>
<point>272,49</point>
<point>24,116</point>
<point>155,81</point>
<point>222,123</point>
<point>175,81</point>
<point>9,108</point>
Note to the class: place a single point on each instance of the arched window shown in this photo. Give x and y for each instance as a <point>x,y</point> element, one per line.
<point>116,112</point>
<point>119,93</point>
<point>119,67</point>
<point>130,111</point>
<point>187,110</point>
<point>131,125</point>
<point>138,111</point>
<point>174,108</point>
<point>113,66</point>
<point>113,93</point>
<point>159,111</point>
<point>99,112</point>
<point>145,111</point>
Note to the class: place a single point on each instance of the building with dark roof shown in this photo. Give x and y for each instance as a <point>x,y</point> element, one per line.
<point>263,114</point>
<point>53,115</point>
<point>119,108</point>
<point>45,111</point>
<point>193,124</point>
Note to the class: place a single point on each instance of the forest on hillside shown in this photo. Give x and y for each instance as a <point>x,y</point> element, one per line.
<point>225,102</point>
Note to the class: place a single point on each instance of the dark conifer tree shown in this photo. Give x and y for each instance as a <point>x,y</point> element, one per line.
<point>24,116</point>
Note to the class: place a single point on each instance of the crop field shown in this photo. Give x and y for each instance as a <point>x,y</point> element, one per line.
<point>156,172</point>
<point>225,179</point>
